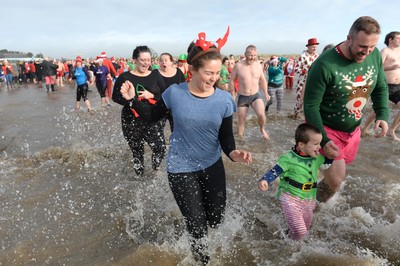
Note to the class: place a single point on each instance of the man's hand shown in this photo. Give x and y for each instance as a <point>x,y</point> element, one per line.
<point>331,150</point>
<point>383,126</point>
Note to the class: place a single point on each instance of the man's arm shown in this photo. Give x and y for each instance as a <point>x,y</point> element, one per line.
<point>380,95</point>
<point>263,84</point>
<point>313,97</point>
<point>233,77</point>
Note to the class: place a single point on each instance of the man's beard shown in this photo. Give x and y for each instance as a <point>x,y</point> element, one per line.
<point>356,56</point>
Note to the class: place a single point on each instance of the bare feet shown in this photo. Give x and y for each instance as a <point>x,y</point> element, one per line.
<point>392,135</point>
<point>265,134</point>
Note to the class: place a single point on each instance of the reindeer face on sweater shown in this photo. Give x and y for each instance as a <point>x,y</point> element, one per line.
<point>359,92</point>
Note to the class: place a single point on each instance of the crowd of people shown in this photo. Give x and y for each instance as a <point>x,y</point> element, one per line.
<point>200,91</point>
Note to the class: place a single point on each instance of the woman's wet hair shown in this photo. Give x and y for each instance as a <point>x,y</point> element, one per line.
<point>140,49</point>
<point>196,56</point>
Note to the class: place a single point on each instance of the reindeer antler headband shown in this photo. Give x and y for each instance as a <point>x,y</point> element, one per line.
<point>208,46</point>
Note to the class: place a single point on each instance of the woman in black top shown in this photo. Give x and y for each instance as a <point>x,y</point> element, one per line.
<point>171,75</point>
<point>135,129</point>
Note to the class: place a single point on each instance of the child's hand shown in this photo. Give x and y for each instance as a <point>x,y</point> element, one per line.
<point>263,185</point>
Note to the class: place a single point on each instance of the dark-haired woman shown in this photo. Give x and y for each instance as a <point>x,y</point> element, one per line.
<point>171,75</point>
<point>137,130</point>
<point>202,117</point>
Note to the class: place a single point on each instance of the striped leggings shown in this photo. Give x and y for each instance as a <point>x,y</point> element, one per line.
<point>298,214</point>
<point>276,94</point>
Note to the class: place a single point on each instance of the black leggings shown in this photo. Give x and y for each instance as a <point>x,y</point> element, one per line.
<point>201,197</point>
<point>101,88</point>
<point>136,132</point>
<point>81,92</point>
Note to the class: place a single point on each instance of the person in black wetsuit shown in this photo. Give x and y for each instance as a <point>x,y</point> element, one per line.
<point>136,130</point>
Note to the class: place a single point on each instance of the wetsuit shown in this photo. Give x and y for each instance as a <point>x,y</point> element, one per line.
<point>136,130</point>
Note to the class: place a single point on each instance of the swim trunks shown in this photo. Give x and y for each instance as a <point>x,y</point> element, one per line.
<point>394,93</point>
<point>246,101</point>
<point>347,143</point>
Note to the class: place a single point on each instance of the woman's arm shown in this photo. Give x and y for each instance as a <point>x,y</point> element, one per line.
<point>225,136</point>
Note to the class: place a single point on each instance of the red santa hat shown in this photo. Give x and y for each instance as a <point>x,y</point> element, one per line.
<point>359,81</point>
<point>103,55</point>
<point>98,59</point>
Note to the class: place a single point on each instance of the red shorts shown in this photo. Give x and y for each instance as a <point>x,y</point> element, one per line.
<point>347,143</point>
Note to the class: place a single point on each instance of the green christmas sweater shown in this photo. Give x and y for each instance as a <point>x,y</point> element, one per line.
<point>337,90</point>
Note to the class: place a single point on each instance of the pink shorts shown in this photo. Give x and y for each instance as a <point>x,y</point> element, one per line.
<point>346,142</point>
<point>49,79</point>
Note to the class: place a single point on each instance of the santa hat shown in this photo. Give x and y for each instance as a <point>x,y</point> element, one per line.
<point>273,59</point>
<point>103,55</point>
<point>98,59</point>
<point>359,81</point>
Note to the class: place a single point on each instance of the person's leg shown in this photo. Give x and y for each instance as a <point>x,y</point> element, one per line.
<point>258,107</point>
<point>47,78</point>
<point>214,193</point>
<point>395,125</point>
<point>242,112</point>
<point>154,136</point>
<point>308,212</point>
<point>187,191</point>
<point>101,88</point>
<point>370,119</point>
<point>348,144</point>
<point>291,81</point>
<point>85,89</point>
<point>394,96</point>
<point>279,97</point>
<point>271,92</point>
<point>109,88</point>
<point>333,178</point>
<point>133,133</point>
<point>299,89</point>
<point>51,78</point>
<point>292,210</point>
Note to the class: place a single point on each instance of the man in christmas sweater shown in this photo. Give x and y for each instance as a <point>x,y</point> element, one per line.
<point>338,85</point>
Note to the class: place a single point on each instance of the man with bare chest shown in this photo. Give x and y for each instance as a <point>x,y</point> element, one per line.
<point>391,66</point>
<point>251,78</point>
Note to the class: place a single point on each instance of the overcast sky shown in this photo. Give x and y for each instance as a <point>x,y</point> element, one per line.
<point>58,28</point>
